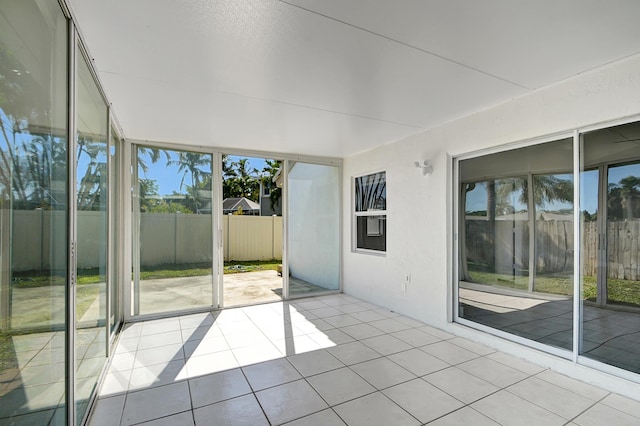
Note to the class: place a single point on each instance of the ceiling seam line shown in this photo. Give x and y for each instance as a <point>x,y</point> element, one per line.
<point>414,126</point>
<point>335,112</point>
<point>444,58</point>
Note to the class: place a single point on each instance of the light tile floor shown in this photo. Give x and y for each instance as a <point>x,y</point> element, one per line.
<point>32,374</point>
<point>332,360</point>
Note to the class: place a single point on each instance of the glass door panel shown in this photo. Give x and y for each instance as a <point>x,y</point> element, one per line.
<point>175,239</point>
<point>313,195</point>
<point>553,200</point>
<point>114,231</point>
<point>92,220</point>
<point>623,231</point>
<point>497,233</point>
<point>33,212</point>
<point>516,247</point>
<point>610,241</point>
<point>590,228</point>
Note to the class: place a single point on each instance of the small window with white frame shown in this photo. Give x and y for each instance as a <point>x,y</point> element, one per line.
<point>370,213</point>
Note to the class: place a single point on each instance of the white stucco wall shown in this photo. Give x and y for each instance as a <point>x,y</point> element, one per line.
<point>419,208</point>
<point>419,221</point>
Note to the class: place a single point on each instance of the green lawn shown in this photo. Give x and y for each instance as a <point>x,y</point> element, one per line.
<point>7,353</point>
<point>86,293</point>
<point>625,292</point>
<point>198,269</point>
<point>30,279</point>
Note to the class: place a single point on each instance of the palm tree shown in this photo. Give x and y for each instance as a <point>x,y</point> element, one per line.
<point>621,200</point>
<point>197,165</point>
<point>269,173</point>
<point>30,164</point>
<point>240,180</point>
<point>11,160</point>
<point>147,189</point>
<point>228,173</point>
<point>18,89</point>
<point>153,154</point>
<point>93,183</point>
<point>247,181</point>
<point>371,192</point>
<point>546,189</point>
<point>227,167</point>
<point>464,266</point>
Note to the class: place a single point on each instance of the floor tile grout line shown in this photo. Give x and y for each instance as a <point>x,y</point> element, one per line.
<point>392,401</point>
<point>124,405</point>
<point>311,375</point>
<point>387,387</point>
<point>525,372</point>
<point>126,392</point>
<point>348,400</point>
<point>591,406</point>
<point>601,401</point>
<point>267,337</point>
<point>466,403</point>
<point>157,418</point>
<point>505,388</point>
<point>225,340</point>
<point>568,377</point>
<point>419,376</point>
<point>193,411</point>
<point>253,392</point>
<point>528,375</point>
<point>458,409</point>
<point>537,405</point>
<point>338,415</point>
<point>361,340</point>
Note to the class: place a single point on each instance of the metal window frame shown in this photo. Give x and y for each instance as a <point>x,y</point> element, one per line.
<point>355,214</point>
<point>454,223</point>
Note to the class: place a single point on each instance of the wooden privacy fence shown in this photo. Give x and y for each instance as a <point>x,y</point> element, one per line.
<point>39,239</point>
<point>252,237</point>
<point>554,246</point>
<point>167,238</point>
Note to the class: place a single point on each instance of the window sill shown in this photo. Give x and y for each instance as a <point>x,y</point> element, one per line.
<point>370,252</point>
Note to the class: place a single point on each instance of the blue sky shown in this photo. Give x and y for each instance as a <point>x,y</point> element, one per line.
<point>168,177</point>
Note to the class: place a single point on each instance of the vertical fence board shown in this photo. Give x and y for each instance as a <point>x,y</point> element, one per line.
<point>183,238</point>
<point>554,246</point>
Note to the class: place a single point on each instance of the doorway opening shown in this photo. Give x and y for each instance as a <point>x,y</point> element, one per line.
<point>252,230</point>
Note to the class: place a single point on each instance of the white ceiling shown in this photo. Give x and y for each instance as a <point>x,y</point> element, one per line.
<point>335,77</point>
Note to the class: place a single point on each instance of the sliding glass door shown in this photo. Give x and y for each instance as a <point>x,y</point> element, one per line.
<point>520,272</point>
<point>91,234</point>
<point>173,243</point>
<point>114,261</point>
<point>611,247</point>
<point>516,244</point>
<point>622,286</point>
<point>33,212</point>
<point>177,266</point>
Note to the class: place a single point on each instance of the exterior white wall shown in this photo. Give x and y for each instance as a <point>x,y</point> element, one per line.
<point>419,207</point>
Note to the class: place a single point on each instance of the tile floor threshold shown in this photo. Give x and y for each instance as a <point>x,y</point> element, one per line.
<point>332,360</point>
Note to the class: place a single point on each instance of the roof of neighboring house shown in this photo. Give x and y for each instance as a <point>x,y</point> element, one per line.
<point>232,204</point>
